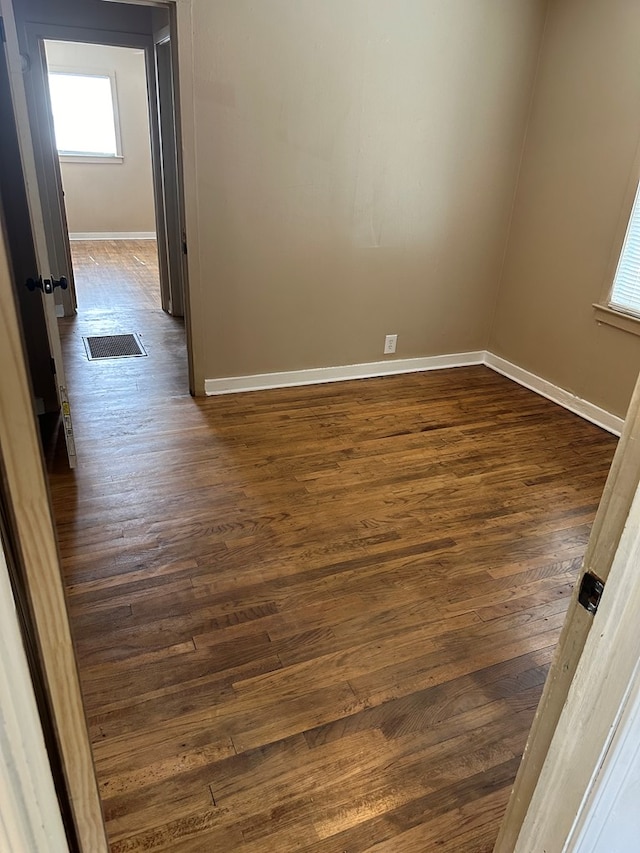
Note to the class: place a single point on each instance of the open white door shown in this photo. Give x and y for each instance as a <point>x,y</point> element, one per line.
<point>43,281</point>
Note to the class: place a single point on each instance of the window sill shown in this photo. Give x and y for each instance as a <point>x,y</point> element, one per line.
<point>87,158</point>
<point>611,317</point>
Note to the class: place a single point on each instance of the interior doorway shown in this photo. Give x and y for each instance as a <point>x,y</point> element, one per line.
<point>102,97</point>
<point>99,97</point>
<point>79,197</point>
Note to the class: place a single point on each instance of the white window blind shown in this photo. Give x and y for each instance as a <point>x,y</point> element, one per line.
<point>625,293</point>
<point>83,114</point>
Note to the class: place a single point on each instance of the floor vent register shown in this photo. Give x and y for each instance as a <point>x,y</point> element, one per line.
<point>113,346</point>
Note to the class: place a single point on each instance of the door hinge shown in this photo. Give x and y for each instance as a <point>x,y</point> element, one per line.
<point>184,243</point>
<point>52,361</point>
<point>591,590</point>
<point>3,34</point>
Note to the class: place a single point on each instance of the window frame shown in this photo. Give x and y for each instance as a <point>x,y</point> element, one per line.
<point>604,312</point>
<point>79,157</point>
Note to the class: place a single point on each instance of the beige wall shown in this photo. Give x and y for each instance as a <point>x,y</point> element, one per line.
<point>112,197</point>
<point>580,150</point>
<point>356,163</point>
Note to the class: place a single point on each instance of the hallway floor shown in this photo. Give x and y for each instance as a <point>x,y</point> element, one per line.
<point>118,292</point>
<point>314,619</point>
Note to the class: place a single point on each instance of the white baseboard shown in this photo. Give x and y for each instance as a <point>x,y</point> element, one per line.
<point>112,235</point>
<point>577,405</point>
<point>319,375</point>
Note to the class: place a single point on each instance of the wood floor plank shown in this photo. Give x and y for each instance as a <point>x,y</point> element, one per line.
<point>309,619</point>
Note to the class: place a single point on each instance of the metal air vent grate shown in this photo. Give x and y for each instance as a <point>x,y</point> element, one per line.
<point>113,346</point>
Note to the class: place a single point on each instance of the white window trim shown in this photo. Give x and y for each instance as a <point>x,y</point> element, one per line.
<point>616,318</point>
<point>89,158</point>
<point>77,156</point>
<point>604,312</point>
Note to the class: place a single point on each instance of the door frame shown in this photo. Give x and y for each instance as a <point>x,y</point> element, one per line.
<point>181,24</point>
<point>172,208</point>
<point>42,128</point>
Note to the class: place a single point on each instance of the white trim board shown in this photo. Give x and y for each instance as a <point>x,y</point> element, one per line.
<point>112,235</point>
<point>317,376</point>
<point>583,408</point>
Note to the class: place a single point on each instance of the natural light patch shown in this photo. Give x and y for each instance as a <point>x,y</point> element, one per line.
<point>83,114</point>
<point>625,294</point>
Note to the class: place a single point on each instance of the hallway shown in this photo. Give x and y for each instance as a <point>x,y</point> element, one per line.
<point>313,619</point>
<point>118,293</point>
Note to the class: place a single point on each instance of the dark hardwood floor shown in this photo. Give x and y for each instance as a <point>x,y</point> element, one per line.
<point>315,619</point>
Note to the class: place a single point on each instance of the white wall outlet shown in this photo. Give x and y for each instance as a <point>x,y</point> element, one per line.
<point>390,342</point>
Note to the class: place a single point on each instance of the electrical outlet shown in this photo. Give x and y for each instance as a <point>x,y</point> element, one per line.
<point>390,342</point>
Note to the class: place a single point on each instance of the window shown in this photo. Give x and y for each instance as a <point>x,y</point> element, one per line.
<point>625,293</point>
<point>84,115</point>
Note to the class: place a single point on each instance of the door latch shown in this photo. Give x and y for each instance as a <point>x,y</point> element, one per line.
<point>591,590</point>
<point>47,285</point>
